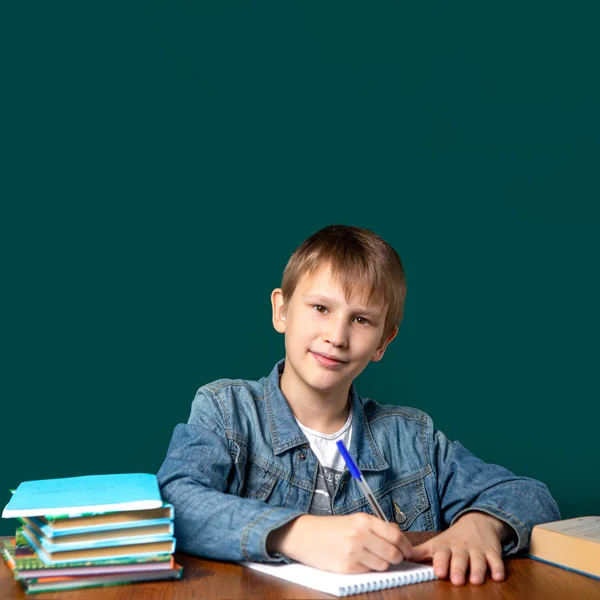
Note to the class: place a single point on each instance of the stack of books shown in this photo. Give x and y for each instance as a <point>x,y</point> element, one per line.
<point>90,531</point>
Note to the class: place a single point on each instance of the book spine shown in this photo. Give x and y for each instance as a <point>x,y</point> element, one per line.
<point>128,541</point>
<point>554,564</point>
<point>52,533</point>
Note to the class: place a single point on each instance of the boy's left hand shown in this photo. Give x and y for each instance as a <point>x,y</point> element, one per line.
<point>473,543</point>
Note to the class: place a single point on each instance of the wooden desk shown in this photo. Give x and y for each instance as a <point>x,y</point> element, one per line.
<point>207,580</point>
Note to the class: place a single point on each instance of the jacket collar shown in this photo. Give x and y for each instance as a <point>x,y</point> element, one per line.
<point>286,434</point>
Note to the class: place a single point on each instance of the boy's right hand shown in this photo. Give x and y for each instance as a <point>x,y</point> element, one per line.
<point>345,544</point>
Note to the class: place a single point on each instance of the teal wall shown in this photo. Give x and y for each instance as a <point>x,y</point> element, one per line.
<point>160,161</point>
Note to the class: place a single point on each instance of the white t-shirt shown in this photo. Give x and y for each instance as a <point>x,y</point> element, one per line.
<point>331,464</point>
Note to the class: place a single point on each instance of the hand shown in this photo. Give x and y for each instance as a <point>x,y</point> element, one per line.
<point>473,542</point>
<point>354,543</point>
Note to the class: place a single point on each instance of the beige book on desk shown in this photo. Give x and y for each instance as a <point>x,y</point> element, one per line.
<point>571,544</point>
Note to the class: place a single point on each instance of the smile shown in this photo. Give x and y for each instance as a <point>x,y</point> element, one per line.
<point>329,363</point>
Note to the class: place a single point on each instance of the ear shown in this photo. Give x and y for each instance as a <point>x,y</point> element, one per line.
<point>381,350</point>
<point>277,306</point>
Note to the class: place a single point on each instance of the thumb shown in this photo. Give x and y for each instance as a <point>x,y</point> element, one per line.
<point>422,552</point>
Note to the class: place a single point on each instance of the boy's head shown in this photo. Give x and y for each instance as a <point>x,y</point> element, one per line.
<point>342,296</point>
<point>359,261</point>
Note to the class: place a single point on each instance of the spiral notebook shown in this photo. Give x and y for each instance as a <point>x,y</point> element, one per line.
<point>340,584</point>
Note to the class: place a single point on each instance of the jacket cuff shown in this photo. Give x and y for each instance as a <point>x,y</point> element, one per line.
<point>254,536</point>
<point>520,538</point>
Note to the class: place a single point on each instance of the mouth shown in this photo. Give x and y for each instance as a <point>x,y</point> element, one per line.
<point>327,360</point>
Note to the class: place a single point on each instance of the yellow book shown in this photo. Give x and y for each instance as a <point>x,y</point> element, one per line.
<point>572,544</point>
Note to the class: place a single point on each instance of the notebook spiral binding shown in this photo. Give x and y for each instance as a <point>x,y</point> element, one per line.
<point>373,586</point>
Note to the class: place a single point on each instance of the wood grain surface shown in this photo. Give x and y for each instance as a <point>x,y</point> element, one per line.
<point>208,579</point>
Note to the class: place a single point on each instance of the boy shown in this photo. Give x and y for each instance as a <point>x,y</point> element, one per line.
<point>255,473</point>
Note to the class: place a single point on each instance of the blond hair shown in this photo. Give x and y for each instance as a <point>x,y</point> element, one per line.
<point>359,260</point>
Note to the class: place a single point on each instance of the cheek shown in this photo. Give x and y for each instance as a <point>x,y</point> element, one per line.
<point>305,323</point>
<point>370,346</point>
<point>298,335</point>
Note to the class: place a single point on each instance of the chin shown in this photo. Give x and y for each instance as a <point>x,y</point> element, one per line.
<point>326,382</point>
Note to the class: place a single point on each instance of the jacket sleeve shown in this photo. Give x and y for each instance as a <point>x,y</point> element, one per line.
<point>466,483</point>
<point>193,477</point>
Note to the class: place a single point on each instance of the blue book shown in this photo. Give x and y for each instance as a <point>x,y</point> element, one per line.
<point>55,527</point>
<point>102,539</point>
<point>72,496</point>
<point>97,555</point>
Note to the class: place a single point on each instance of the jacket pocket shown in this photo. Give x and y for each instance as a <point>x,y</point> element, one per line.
<point>250,477</point>
<point>406,504</point>
<point>259,482</point>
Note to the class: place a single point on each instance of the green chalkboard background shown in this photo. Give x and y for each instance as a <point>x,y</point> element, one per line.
<point>159,162</point>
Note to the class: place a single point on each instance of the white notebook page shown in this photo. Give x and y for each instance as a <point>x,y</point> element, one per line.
<point>340,584</point>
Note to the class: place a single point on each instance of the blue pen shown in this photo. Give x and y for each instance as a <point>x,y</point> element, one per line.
<point>362,484</point>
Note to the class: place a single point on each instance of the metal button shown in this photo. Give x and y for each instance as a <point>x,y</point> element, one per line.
<point>400,517</point>
<point>302,456</point>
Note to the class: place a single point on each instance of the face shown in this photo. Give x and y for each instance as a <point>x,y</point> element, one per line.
<point>328,340</point>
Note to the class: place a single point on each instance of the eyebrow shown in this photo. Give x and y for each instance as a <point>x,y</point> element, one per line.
<point>327,300</point>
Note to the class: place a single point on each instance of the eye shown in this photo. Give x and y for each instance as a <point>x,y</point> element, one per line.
<point>320,308</point>
<point>361,321</point>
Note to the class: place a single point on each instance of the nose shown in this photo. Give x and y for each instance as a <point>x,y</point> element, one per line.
<point>336,333</point>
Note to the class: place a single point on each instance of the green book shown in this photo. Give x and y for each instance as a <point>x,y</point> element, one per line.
<point>33,580</point>
<point>73,583</point>
<point>51,582</point>
<point>25,557</point>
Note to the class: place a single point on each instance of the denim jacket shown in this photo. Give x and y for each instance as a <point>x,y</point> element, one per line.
<point>241,467</point>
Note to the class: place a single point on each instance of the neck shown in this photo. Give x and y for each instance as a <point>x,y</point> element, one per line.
<point>325,412</point>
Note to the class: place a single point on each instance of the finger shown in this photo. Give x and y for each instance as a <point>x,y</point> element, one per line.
<point>496,563</point>
<point>384,549</point>
<point>422,552</point>
<point>371,561</point>
<point>477,567</point>
<point>392,534</point>
<point>441,562</point>
<point>458,566</point>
